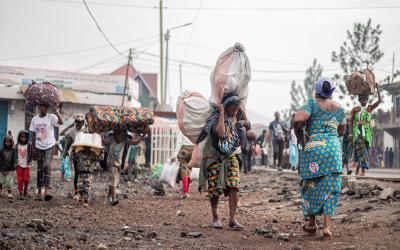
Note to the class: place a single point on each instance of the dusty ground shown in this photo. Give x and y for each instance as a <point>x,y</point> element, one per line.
<point>148,222</point>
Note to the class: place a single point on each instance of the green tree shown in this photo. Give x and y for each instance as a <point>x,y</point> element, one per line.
<point>300,93</point>
<point>360,50</point>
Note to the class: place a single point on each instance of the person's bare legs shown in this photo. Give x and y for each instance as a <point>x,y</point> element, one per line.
<point>326,232</point>
<point>214,208</point>
<point>233,203</point>
<point>311,226</point>
<point>357,168</point>
<point>362,172</point>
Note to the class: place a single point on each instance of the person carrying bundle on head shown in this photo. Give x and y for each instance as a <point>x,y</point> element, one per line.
<point>362,131</point>
<point>116,144</point>
<point>221,164</point>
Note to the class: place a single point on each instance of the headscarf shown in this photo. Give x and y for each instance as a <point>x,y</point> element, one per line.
<point>231,141</point>
<point>319,90</point>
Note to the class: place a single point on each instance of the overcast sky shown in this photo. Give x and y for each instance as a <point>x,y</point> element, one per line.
<point>283,39</point>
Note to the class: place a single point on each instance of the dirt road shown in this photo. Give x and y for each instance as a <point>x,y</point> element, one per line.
<point>269,208</point>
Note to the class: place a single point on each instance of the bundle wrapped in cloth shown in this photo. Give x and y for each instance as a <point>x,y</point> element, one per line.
<point>361,83</point>
<point>103,119</point>
<point>232,73</point>
<point>192,111</point>
<point>44,93</point>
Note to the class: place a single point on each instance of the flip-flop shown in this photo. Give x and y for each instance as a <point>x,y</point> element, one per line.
<point>48,197</point>
<point>216,226</point>
<point>311,231</point>
<point>236,227</point>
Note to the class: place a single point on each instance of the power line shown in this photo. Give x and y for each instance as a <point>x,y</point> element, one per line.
<point>261,80</point>
<point>106,60</point>
<point>74,51</point>
<point>234,8</point>
<point>102,32</point>
<point>208,67</point>
<point>193,29</point>
<point>253,58</point>
<point>391,44</point>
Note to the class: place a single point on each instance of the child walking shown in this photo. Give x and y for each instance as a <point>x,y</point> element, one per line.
<point>116,144</point>
<point>8,160</point>
<point>88,160</point>
<point>42,128</point>
<point>24,155</point>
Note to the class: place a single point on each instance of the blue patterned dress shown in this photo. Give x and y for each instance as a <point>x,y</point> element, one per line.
<point>321,161</point>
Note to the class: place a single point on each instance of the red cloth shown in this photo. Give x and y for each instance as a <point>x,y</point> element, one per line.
<point>185,182</point>
<point>23,177</point>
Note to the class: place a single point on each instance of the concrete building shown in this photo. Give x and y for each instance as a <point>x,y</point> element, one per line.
<point>79,91</point>
<point>390,121</point>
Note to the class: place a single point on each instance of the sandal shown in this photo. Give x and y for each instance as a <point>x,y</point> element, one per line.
<point>310,231</point>
<point>217,225</point>
<point>236,226</point>
<point>39,197</point>
<point>48,197</point>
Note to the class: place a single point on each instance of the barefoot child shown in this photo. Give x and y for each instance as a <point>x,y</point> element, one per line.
<point>8,160</point>
<point>24,152</point>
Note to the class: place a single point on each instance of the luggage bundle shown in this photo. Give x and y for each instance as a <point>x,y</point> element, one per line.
<point>361,83</point>
<point>102,119</point>
<point>231,74</point>
<point>192,112</point>
<point>44,93</point>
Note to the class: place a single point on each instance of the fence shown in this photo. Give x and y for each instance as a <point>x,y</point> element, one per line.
<point>163,140</point>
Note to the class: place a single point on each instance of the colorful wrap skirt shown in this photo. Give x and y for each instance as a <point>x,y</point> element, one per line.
<point>223,176</point>
<point>362,153</point>
<point>320,195</point>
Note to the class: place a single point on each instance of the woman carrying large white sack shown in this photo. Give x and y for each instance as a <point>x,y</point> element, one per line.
<point>221,161</point>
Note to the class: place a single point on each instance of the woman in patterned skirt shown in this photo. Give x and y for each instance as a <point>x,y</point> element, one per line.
<point>221,162</point>
<point>321,159</point>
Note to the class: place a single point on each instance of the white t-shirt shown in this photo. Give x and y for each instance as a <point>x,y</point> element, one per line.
<point>44,130</point>
<point>23,155</point>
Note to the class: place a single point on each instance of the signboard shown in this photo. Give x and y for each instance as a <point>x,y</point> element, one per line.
<point>96,83</point>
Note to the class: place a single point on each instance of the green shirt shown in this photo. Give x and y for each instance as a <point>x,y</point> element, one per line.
<point>364,130</point>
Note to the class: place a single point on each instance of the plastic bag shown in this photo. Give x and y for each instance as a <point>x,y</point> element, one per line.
<point>156,171</point>
<point>44,93</point>
<point>362,82</point>
<point>192,111</point>
<point>195,173</point>
<point>169,174</point>
<point>65,168</point>
<point>232,73</point>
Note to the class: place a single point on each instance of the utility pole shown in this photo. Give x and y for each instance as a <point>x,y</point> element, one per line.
<point>392,68</point>
<point>167,36</point>
<point>180,79</point>
<point>161,57</point>
<point>126,76</point>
